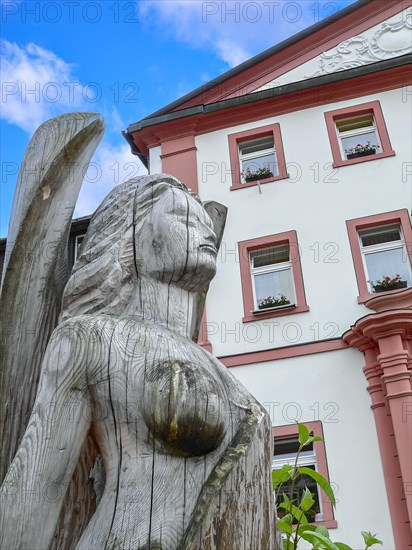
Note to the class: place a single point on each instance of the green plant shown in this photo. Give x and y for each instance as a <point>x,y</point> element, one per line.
<point>387,281</point>
<point>359,148</point>
<point>271,301</point>
<point>260,173</point>
<point>294,524</point>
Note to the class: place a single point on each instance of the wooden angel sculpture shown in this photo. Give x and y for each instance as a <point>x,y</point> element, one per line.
<point>185,448</point>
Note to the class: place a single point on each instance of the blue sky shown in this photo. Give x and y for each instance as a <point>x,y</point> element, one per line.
<point>125,60</point>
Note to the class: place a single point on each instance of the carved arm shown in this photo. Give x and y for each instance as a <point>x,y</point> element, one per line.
<point>35,485</point>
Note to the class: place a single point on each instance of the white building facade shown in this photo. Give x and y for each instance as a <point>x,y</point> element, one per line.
<point>309,146</point>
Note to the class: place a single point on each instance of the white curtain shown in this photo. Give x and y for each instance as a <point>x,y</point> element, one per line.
<point>388,263</point>
<point>274,284</point>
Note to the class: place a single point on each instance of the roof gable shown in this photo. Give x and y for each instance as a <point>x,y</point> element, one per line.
<point>287,57</point>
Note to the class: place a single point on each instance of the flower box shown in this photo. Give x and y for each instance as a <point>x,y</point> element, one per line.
<point>255,177</point>
<point>394,286</point>
<point>271,306</point>
<point>361,154</point>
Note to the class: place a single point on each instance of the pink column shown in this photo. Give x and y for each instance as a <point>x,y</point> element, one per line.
<point>396,376</point>
<point>388,451</point>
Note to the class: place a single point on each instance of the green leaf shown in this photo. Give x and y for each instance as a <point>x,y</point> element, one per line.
<point>286,500</point>
<point>343,546</point>
<point>287,544</point>
<point>317,438</point>
<point>284,526</point>
<point>304,434</point>
<point>295,511</point>
<point>281,475</point>
<point>307,501</point>
<point>322,530</point>
<point>312,536</point>
<point>370,539</point>
<point>303,528</point>
<point>321,481</point>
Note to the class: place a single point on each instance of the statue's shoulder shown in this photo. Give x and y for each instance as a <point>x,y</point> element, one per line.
<point>80,342</point>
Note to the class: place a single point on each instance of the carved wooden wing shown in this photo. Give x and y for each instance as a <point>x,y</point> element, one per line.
<point>35,269</point>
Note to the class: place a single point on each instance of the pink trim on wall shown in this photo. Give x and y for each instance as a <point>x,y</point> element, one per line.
<point>179,159</point>
<point>245,247</point>
<point>298,100</point>
<point>291,430</point>
<point>247,135</point>
<point>355,225</point>
<point>282,353</point>
<point>203,337</point>
<point>373,107</point>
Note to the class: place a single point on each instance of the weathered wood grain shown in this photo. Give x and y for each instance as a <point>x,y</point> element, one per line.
<point>186,449</point>
<point>35,268</point>
<point>34,276</point>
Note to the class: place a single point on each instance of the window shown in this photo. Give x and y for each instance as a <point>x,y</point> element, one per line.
<point>284,452</point>
<point>258,159</point>
<point>271,275</point>
<point>272,278</point>
<point>358,134</point>
<point>381,248</point>
<point>256,156</point>
<point>313,456</point>
<point>384,255</point>
<point>77,243</point>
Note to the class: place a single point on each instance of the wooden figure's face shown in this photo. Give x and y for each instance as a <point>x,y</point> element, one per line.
<point>177,243</point>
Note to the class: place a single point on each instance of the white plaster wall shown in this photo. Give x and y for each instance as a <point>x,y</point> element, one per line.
<point>335,393</point>
<point>315,201</point>
<point>155,162</point>
<point>388,39</point>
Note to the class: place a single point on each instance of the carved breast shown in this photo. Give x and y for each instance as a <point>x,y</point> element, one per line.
<point>184,407</point>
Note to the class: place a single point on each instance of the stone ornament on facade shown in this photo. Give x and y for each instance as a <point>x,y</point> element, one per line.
<point>389,41</point>
<point>185,448</point>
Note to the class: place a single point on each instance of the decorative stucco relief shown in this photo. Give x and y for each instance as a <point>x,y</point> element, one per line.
<point>391,39</point>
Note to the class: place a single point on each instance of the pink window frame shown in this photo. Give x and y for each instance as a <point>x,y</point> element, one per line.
<point>291,430</point>
<point>247,135</point>
<point>356,225</point>
<point>245,247</point>
<point>373,107</point>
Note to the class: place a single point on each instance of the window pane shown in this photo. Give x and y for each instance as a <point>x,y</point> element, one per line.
<point>387,263</point>
<point>268,256</point>
<point>354,123</point>
<point>274,284</point>
<point>381,235</point>
<point>256,145</point>
<point>351,142</point>
<point>289,446</point>
<point>302,482</point>
<point>265,161</point>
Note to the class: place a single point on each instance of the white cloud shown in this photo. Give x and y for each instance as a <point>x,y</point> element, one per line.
<point>109,166</point>
<point>36,85</point>
<point>234,30</point>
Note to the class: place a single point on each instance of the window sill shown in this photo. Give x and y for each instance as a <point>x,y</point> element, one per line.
<point>339,163</point>
<point>237,186</point>
<point>274,308</point>
<point>274,312</point>
<point>328,523</point>
<point>365,296</point>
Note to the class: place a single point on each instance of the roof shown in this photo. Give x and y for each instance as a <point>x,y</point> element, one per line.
<point>259,57</point>
<point>227,91</point>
